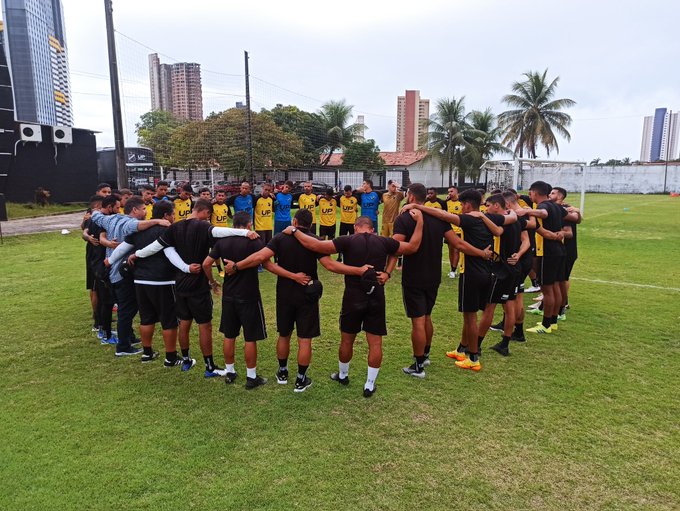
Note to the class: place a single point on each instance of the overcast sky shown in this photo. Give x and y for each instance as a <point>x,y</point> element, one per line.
<point>617,59</point>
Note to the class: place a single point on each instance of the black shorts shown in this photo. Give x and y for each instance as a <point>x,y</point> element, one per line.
<point>249,315</point>
<point>474,291</point>
<point>363,312</point>
<point>327,231</point>
<point>265,236</point>
<point>300,314</point>
<point>550,270</point>
<point>503,290</point>
<point>419,302</point>
<point>568,266</point>
<point>89,277</point>
<point>525,265</point>
<point>195,307</point>
<point>104,291</point>
<point>157,305</point>
<point>346,229</point>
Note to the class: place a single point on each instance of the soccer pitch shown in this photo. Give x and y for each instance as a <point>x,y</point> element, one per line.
<point>584,419</point>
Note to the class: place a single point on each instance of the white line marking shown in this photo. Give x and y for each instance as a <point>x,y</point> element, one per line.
<point>632,284</point>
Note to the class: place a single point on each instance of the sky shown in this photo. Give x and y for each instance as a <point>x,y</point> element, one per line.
<point>617,59</point>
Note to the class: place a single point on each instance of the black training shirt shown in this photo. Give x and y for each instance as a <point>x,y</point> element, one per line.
<point>554,223</point>
<point>295,258</point>
<point>364,248</point>
<point>511,239</point>
<point>155,268</point>
<point>478,235</point>
<point>244,285</point>
<point>423,269</point>
<point>95,255</point>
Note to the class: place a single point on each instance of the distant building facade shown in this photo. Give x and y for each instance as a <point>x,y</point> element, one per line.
<point>176,88</point>
<point>660,133</point>
<point>359,136</point>
<point>412,111</point>
<point>38,61</point>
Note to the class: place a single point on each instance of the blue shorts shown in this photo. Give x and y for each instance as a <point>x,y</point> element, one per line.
<point>280,225</point>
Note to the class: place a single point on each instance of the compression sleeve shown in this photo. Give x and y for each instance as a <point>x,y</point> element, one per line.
<point>225,232</point>
<point>176,260</point>
<point>120,252</point>
<point>149,250</point>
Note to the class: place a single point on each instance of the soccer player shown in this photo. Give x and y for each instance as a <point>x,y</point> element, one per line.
<point>391,200</point>
<point>148,192</point>
<point>454,206</point>
<point>219,218</point>
<point>349,209</point>
<point>432,201</point>
<point>125,194</point>
<point>192,239</point>
<point>558,194</point>
<point>118,227</point>
<point>184,203</point>
<point>328,207</point>
<point>243,201</point>
<point>161,191</point>
<point>241,301</point>
<point>423,271</point>
<point>308,201</point>
<point>104,189</point>
<point>204,193</point>
<point>283,201</point>
<point>363,302</point>
<point>264,214</point>
<point>369,201</point>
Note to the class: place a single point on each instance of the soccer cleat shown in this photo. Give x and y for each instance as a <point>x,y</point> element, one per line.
<point>538,298</point>
<point>457,355</point>
<point>301,386</point>
<point>252,383</point>
<point>216,371</point>
<point>148,358</point>
<point>100,333</point>
<point>369,392</point>
<point>229,378</point>
<point>539,329</point>
<point>173,363</point>
<point>452,275</point>
<point>535,312</point>
<point>562,317</point>
<point>553,327</point>
<point>426,362</point>
<point>500,349</point>
<point>95,328</point>
<point>282,376</point>
<point>518,338</point>
<point>498,327</point>
<point>469,364</point>
<point>128,352</point>
<point>532,289</point>
<point>188,363</point>
<point>110,340</point>
<point>341,381</point>
<point>413,371</point>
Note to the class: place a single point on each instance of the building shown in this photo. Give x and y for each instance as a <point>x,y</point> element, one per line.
<point>359,135</point>
<point>38,61</point>
<point>176,88</point>
<point>411,114</point>
<point>660,133</point>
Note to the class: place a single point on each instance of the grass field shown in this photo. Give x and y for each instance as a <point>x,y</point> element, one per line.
<point>584,419</point>
<point>16,210</point>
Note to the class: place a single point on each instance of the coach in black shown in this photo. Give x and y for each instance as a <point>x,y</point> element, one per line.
<point>363,303</point>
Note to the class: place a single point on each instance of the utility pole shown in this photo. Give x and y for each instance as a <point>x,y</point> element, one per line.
<point>668,145</point>
<point>249,127</point>
<point>121,168</point>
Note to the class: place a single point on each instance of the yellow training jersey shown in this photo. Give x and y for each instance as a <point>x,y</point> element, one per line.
<point>327,211</point>
<point>121,210</point>
<point>264,213</point>
<point>348,209</point>
<point>435,204</point>
<point>539,238</point>
<point>482,208</point>
<point>220,214</point>
<point>149,211</point>
<point>182,209</point>
<point>308,202</point>
<point>455,207</point>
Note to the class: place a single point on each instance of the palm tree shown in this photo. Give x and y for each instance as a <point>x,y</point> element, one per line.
<point>449,134</point>
<point>537,115</point>
<point>486,142</point>
<point>337,132</point>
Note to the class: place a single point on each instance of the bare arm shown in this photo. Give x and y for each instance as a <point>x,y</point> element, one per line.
<point>254,259</point>
<point>447,217</point>
<point>104,241</point>
<point>143,225</point>
<point>120,252</point>
<point>538,213</point>
<point>494,229</point>
<point>342,269</point>
<point>326,247</point>
<point>392,260</point>
<point>549,235</point>
<point>277,270</point>
<point>453,240</point>
<point>524,246</point>
<point>568,232</point>
<point>573,217</point>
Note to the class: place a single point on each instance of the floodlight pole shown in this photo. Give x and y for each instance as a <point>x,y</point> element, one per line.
<point>119,140</point>
<point>668,145</point>
<point>249,128</point>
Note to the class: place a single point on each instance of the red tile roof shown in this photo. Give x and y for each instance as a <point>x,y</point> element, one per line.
<point>391,159</point>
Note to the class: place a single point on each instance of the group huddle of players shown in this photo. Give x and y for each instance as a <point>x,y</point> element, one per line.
<point>155,256</point>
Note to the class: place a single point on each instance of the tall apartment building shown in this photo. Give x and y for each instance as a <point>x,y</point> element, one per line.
<point>38,61</point>
<point>411,111</point>
<point>176,88</point>
<point>359,135</point>
<point>660,134</point>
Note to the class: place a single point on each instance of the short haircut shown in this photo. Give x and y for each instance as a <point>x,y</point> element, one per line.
<point>304,218</point>
<point>348,188</point>
<point>364,221</point>
<point>561,191</point>
<point>431,189</point>
<point>94,199</point>
<point>202,205</point>
<point>390,182</point>
<point>245,183</point>
<point>241,220</point>
<point>496,198</point>
<point>511,190</point>
<point>162,183</point>
<point>418,191</point>
<point>133,202</point>
<point>510,197</point>
<point>289,184</point>
<point>204,189</point>
<point>482,191</point>
<point>101,186</point>
<point>495,191</point>
<point>472,197</point>
<point>455,187</point>
<point>162,208</point>
<point>187,188</point>
<point>329,191</point>
<point>125,191</point>
<point>148,188</point>
<point>220,192</point>
<point>110,201</point>
<point>540,187</point>
<point>369,182</point>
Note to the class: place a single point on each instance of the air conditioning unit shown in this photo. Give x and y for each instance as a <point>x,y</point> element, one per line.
<point>30,132</point>
<point>62,135</point>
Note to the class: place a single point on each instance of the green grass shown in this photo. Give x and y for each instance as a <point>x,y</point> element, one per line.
<point>586,419</point>
<point>16,210</point>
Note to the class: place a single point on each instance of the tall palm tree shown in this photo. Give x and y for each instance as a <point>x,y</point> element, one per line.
<point>487,141</point>
<point>536,117</point>
<point>449,134</point>
<point>337,131</point>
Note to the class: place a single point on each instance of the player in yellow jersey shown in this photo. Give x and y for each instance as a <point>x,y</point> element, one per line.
<point>204,193</point>
<point>432,201</point>
<point>184,203</point>
<point>125,194</point>
<point>220,218</point>
<point>148,192</point>
<point>328,208</point>
<point>349,210</point>
<point>264,214</point>
<point>454,206</point>
<point>308,201</point>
